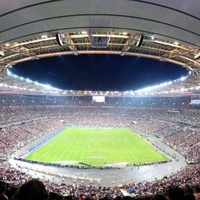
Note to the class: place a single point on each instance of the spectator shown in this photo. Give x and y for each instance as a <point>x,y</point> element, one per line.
<point>33,190</point>
<point>3,192</point>
<point>176,193</point>
<point>197,193</point>
<point>159,197</point>
<point>189,196</point>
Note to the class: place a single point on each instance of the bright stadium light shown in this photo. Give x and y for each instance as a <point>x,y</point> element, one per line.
<point>197,55</point>
<point>182,78</point>
<point>28,80</point>
<point>2,53</point>
<point>154,87</point>
<point>8,72</point>
<point>15,76</point>
<point>182,89</point>
<point>48,87</point>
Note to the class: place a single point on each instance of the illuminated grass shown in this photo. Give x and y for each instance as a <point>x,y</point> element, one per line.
<point>97,147</point>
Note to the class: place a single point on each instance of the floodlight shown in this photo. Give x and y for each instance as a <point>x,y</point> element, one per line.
<point>7,44</point>
<point>197,55</point>
<point>182,78</point>
<point>44,36</point>
<point>2,53</point>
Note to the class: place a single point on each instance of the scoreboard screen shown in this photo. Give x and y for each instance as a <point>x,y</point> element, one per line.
<point>99,99</point>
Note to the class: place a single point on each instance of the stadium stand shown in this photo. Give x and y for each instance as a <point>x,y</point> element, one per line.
<point>23,119</point>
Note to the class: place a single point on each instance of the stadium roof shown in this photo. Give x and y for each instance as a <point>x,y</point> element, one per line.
<point>165,30</point>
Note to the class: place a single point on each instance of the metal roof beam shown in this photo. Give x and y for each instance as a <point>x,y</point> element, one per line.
<point>71,45</point>
<point>127,47</point>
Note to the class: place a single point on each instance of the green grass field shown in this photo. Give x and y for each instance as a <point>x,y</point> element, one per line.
<point>97,147</point>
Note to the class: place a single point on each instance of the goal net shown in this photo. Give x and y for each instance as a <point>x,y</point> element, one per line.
<point>97,160</point>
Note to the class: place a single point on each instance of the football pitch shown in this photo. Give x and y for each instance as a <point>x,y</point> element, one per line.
<point>97,147</point>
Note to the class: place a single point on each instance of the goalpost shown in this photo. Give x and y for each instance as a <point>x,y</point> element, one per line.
<point>97,160</point>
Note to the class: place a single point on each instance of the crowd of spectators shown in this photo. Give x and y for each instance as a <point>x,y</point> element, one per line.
<point>15,136</point>
<point>186,178</point>
<point>24,119</point>
<point>178,128</point>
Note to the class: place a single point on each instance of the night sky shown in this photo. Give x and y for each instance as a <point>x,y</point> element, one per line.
<point>99,72</point>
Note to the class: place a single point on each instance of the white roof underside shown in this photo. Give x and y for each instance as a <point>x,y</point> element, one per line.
<point>174,24</point>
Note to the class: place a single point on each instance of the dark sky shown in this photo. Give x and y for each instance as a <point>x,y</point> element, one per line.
<point>99,72</point>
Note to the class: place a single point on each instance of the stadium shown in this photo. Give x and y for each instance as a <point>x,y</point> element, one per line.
<point>84,144</point>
